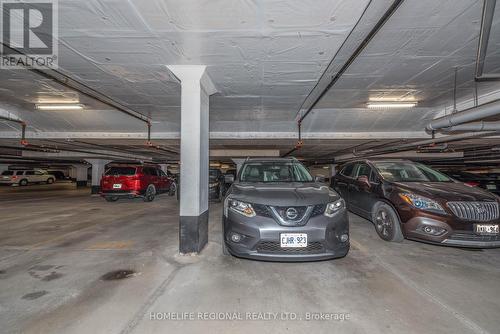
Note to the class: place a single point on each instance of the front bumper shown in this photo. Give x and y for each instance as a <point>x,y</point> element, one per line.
<point>457,233</point>
<point>261,238</point>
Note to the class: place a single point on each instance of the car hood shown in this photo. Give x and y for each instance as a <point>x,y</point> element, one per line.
<point>284,194</point>
<point>447,191</point>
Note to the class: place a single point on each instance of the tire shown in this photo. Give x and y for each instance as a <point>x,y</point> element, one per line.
<point>387,223</point>
<point>173,189</point>
<point>225,251</point>
<point>23,182</point>
<point>50,181</point>
<point>111,198</point>
<point>150,193</point>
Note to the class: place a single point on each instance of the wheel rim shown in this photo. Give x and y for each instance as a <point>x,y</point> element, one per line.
<point>384,224</point>
<point>150,194</point>
<point>173,188</point>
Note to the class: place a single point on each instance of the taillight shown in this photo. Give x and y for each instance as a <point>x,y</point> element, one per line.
<point>14,177</point>
<point>472,184</point>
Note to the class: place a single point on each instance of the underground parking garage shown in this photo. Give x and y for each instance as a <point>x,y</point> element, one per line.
<point>234,166</point>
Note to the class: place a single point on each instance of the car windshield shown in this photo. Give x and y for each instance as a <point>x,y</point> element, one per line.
<point>8,172</point>
<point>274,172</point>
<point>409,172</point>
<point>121,171</point>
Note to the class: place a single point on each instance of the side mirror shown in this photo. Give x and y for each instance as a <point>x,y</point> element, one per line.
<point>319,179</point>
<point>363,179</point>
<point>229,178</point>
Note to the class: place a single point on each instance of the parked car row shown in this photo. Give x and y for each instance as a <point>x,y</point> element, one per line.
<point>23,177</point>
<point>275,210</point>
<point>136,180</point>
<point>405,199</point>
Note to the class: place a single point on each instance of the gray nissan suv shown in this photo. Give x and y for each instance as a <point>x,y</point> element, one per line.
<point>276,211</point>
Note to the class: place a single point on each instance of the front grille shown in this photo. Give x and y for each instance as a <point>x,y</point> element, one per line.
<point>470,236</point>
<point>274,247</point>
<point>261,210</point>
<point>318,210</point>
<point>476,211</point>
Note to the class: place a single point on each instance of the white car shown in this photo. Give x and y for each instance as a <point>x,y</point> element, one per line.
<point>24,177</point>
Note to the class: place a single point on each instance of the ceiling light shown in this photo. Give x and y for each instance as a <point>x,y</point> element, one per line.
<point>59,106</point>
<point>381,105</point>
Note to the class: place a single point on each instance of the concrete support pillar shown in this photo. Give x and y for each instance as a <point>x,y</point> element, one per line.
<point>3,167</point>
<point>196,87</point>
<point>98,166</point>
<point>239,163</point>
<point>333,170</point>
<point>79,174</point>
<point>163,167</point>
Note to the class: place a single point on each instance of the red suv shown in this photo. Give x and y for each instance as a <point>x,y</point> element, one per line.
<point>130,181</point>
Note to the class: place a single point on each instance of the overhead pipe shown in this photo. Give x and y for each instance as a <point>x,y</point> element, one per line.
<point>469,115</point>
<point>23,128</point>
<point>408,146</point>
<point>484,36</point>
<point>66,81</point>
<point>474,127</point>
<point>380,23</point>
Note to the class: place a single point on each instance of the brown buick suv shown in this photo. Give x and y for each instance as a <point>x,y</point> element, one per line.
<point>409,200</point>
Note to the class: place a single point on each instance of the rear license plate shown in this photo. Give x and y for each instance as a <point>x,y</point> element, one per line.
<point>293,240</point>
<point>117,186</point>
<point>491,186</point>
<point>486,229</point>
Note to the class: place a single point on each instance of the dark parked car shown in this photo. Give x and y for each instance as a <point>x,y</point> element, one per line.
<point>476,180</point>
<point>215,184</point>
<point>407,199</point>
<point>135,180</point>
<point>276,211</point>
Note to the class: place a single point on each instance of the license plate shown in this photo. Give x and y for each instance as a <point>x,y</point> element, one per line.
<point>486,229</point>
<point>293,240</point>
<point>117,186</point>
<point>491,186</point>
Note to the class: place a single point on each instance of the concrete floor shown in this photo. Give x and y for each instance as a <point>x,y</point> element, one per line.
<point>56,243</point>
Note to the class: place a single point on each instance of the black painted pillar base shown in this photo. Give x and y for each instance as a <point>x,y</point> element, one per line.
<point>193,233</point>
<point>81,183</point>
<point>95,190</point>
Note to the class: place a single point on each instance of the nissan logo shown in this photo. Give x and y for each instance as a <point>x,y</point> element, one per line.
<point>291,213</point>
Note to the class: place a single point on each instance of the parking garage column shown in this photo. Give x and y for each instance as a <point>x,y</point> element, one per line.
<point>80,174</point>
<point>196,87</point>
<point>98,166</point>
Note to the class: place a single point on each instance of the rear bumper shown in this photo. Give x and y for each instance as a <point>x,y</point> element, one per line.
<point>260,238</point>
<point>121,193</point>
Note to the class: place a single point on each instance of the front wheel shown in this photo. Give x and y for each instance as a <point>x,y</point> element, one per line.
<point>387,223</point>
<point>149,196</point>
<point>111,198</point>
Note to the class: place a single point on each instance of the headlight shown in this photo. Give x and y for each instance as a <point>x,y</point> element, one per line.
<point>333,207</point>
<point>241,207</point>
<point>422,203</point>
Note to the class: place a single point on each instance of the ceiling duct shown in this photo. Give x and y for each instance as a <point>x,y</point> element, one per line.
<point>469,115</point>
<point>474,127</point>
<point>427,142</point>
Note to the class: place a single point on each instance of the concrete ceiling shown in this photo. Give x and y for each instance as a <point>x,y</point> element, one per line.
<point>264,57</point>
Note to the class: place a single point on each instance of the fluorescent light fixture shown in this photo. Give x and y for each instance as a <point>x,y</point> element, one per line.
<point>382,105</point>
<point>60,106</point>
